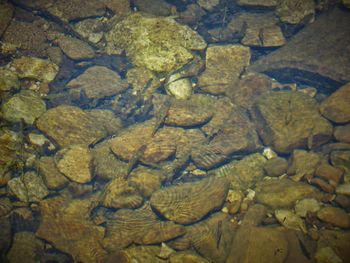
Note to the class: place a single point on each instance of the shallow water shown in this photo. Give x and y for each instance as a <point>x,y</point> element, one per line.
<point>174,131</point>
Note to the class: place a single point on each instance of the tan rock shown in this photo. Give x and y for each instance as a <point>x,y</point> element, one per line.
<point>342,133</point>
<point>276,166</point>
<point>75,162</point>
<point>107,119</point>
<point>334,216</point>
<point>224,64</point>
<point>303,164</point>
<point>146,180</point>
<point>186,257</point>
<point>66,224</point>
<point>68,125</point>
<point>307,205</point>
<point>52,177</point>
<point>181,205</point>
<point>74,48</point>
<point>294,12</point>
<point>336,107</point>
<point>290,220</point>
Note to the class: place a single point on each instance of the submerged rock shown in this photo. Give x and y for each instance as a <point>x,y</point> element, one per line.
<point>8,80</point>
<point>35,68</point>
<point>98,82</point>
<point>295,12</point>
<point>303,164</point>
<point>74,48</point>
<point>152,42</point>
<point>68,125</point>
<point>90,29</point>
<point>51,175</point>
<point>290,120</point>
<point>335,216</point>
<point>188,203</point>
<point>257,3</point>
<point>342,133</point>
<point>276,166</point>
<point>6,12</point>
<point>26,106</point>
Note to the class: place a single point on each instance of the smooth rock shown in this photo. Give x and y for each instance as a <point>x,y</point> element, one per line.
<point>336,107</point>
<point>224,64</point>
<point>289,120</point>
<point>283,193</point>
<point>8,79</point>
<point>75,162</point>
<point>154,7</point>
<point>303,164</point>
<point>342,133</point>
<point>180,88</point>
<point>334,216</point>
<point>98,82</point>
<point>276,166</point>
<point>74,48</point>
<point>338,241</point>
<point>307,205</point>
<point>120,194</point>
<point>6,234</point>
<point>144,254</point>
<point>41,141</point>
<point>208,5</point>
<point>257,3</point>
<point>343,189</point>
<point>68,125</point>
<point>26,106</point>
<point>66,224</point>
<point>151,43</point>
<point>53,178</point>
<point>295,12</point>
<point>25,246</point>
<point>187,203</point>
<point>35,68</point>
<point>341,159</point>
<point>29,187</point>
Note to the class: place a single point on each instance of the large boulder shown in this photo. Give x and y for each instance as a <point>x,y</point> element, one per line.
<point>290,120</point>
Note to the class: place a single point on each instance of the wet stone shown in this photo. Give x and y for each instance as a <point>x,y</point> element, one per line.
<point>25,105</point>
<point>283,193</point>
<point>290,220</point>
<point>151,43</point>
<point>307,205</point>
<point>342,133</point>
<point>29,187</point>
<point>208,5</point>
<point>6,12</point>
<point>276,166</point>
<point>90,29</point>
<point>35,68</point>
<point>344,189</point>
<point>74,48</point>
<point>98,82</point>
<point>224,64</point>
<point>290,120</point>
<point>75,162</point>
<point>154,7</point>
<point>52,177</point>
<point>8,80</point>
<point>68,125</point>
<point>295,12</point>
<point>303,164</point>
<point>146,254</point>
<point>106,119</point>
<point>257,3</point>
<point>334,216</point>
<point>186,257</point>
<point>181,205</point>
<point>6,234</point>
<point>146,180</point>
<point>337,107</point>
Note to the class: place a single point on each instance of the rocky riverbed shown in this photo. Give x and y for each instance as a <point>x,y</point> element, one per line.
<point>175,131</point>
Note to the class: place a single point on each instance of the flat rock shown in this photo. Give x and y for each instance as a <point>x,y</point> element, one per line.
<point>290,120</point>
<point>68,125</point>
<point>309,59</point>
<point>52,177</point>
<point>75,162</point>
<point>26,106</point>
<point>342,133</point>
<point>35,68</point>
<point>294,12</point>
<point>150,42</point>
<point>337,107</point>
<point>6,12</point>
<point>74,48</point>
<point>283,193</point>
<point>66,224</point>
<point>98,82</point>
<point>334,216</point>
<point>29,187</point>
<point>224,64</point>
<point>188,203</point>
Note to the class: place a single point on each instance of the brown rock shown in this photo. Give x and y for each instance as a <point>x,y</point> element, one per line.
<point>290,120</point>
<point>337,107</point>
<point>224,64</point>
<point>52,177</point>
<point>144,254</point>
<point>307,52</point>
<point>186,257</point>
<point>293,12</point>
<point>276,166</point>
<point>6,12</point>
<point>283,193</point>
<point>337,240</point>
<point>342,133</point>
<point>118,6</point>
<point>119,194</point>
<point>106,118</point>
<point>330,173</point>
<point>343,201</point>
<point>303,164</point>
<point>154,7</point>
<point>75,162</point>
<point>66,225</point>
<point>322,184</point>
<point>334,216</point>
<point>68,125</point>
<point>181,205</point>
<point>146,180</point>
<point>74,48</point>
<point>98,82</point>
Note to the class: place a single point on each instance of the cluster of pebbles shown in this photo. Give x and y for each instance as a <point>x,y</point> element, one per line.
<point>203,131</point>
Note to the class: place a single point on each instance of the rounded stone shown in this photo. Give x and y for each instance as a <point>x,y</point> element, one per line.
<point>334,216</point>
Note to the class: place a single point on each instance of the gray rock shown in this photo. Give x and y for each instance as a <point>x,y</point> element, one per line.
<point>290,120</point>
<point>29,187</point>
<point>25,105</point>
<point>308,58</point>
<point>98,82</point>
